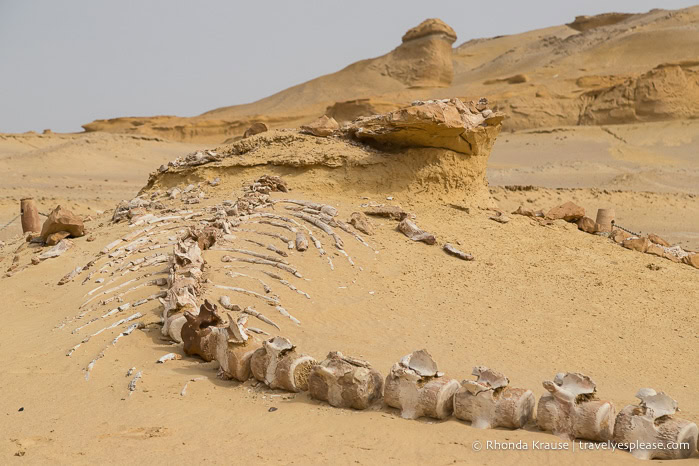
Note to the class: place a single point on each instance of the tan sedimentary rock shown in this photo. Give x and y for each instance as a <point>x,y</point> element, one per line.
<point>637,244</point>
<point>416,388</point>
<point>572,411</point>
<point>255,128</point>
<point>55,238</point>
<point>488,402</point>
<point>619,236</point>
<point>650,430</point>
<point>691,259</point>
<point>444,124</point>
<point>322,127</point>
<point>528,212</point>
<point>388,211</point>
<point>588,225</point>
<point>569,212</point>
<point>30,216</point>
<point>345,382</point>
<point>62,219</point>
<point>412,231</point>
<point>653,238</point>
<point>279,365</point>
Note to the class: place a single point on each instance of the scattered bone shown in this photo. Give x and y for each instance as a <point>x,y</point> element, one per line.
<point>345,382</point>
<point>528,212</point>
<point>489,403</point>
<point>279,365</point>
<point>57,250</point>
<point>132,384</point>
<point>126,332</point>
<point>70,276</point>
<point>360,221</point>
<point>412,231</point>
<point>278,265</point>
<point>323,226</point>
<point>249,293</point>
<point>389,211</point>
<point>347,229</point>
<point>265,286</point>
<point>301,242</point>
<point>253,254</point>
<point>130,371</point>
<point>285,313</point>
<point>500,217</point>
<point>572,411</point>
<point>249,310</point>
<point>257,330</point>
<point>279,225</point>
<point>449,248</point>
<point>653,429</point>
<point>234,349</point>
<point>418,395</point>
<point>183,392</point>
<point>169,357</point>
<point>282,238</point>
<point>269,247</point>
<point>286,283</point>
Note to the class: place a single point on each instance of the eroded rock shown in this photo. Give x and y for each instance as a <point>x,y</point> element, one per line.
<point>569,212</point>
<point>322,127</point>
<point>62,219</point>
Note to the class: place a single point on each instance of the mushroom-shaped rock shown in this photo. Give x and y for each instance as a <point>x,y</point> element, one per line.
<point>571,409</point>
<point>650,430</point>
<point>416,388</point>
<point>279,365</point>
<point>488,402</point>
<point>62,219</point>
<point>234,349</point>
<point>345,382</point>
<point>197,335</point>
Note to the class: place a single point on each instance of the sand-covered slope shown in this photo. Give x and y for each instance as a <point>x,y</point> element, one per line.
<point>540,297</point>
<point>611,69</point>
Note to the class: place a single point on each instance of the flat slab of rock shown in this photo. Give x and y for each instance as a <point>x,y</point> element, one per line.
<point>323,126</point>
<point>569,212</point>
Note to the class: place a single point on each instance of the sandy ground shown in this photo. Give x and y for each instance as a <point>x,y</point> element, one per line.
<point>537,300</point>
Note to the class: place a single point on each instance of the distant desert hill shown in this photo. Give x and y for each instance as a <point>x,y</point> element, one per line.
<point>607,69</point>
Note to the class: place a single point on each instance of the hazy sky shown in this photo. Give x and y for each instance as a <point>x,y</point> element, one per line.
<point>65,63</point>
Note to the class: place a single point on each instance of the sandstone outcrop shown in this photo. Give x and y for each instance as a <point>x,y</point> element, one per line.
<point>446,124</point>
<point>322,127</point>
<point>255,128</point>
<point>62,219</point>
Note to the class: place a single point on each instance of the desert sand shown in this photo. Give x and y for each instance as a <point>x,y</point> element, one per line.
<point>540,297</point>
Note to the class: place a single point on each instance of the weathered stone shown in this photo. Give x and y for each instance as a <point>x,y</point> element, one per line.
<point>619,236</point>
<point>658,240</point>
<point>528,212</point>
<point>30,216</point>
<point>637,244</point>
<point>569,212</point>
<point>255,128</point>
<point>692,259</point>
<point>54,238</point>
<point>587,225</point>
<point>655,250</point>
<point>445,124</point>
<point>428,27</point>
<point>322,127</point>
<point>62,220</point>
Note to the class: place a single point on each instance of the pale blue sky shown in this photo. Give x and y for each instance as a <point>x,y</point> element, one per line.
<point>66,63</point>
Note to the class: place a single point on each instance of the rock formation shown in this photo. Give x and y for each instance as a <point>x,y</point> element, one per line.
<point>30,216</point>
<point>61,219</point>
<point>345,382</point>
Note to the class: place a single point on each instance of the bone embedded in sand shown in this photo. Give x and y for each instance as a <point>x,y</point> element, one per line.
<point>652,429</point>
<point>572,411</point>
<point>360,221</point>
<point>132,384</point>
<point>301,242</point>
<point>345,382</point>
<point>412,231</point>
<point>389,211</point>
<point>489,402</point>
<point>416,388</point>
<point>234,349</point>
<point>168,357</point>
<point>279,365</point>
<point>198,336</point>
<point>449,248</point>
